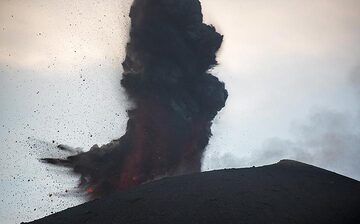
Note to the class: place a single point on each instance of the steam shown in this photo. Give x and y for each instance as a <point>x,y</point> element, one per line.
<point>327,138</point>
<point>166,76</point>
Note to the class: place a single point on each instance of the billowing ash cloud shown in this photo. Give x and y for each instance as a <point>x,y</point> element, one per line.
<point>166,75</point>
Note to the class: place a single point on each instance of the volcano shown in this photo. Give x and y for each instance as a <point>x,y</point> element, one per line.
<point>282,193</point>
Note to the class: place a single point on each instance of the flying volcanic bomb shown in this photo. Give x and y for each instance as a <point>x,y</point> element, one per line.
<point>166,75</point>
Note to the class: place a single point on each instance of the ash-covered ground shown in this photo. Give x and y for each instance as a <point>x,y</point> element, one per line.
<point>283,193</point>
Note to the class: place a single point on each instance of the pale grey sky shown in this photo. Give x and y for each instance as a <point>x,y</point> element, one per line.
<point>291,68</point>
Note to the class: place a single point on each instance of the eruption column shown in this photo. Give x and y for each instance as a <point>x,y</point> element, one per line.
<point>166,75</point>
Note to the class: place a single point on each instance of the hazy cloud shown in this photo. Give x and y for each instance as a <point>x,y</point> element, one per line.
<point>327,138</point>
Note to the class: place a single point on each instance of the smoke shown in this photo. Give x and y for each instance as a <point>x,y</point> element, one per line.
<point>166,75</point>
<point>329,138</point>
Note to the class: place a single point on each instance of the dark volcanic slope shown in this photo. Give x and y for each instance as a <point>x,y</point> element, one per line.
<point>286,192</point>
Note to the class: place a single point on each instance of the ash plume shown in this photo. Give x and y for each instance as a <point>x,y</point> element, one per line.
<point>166,75</point>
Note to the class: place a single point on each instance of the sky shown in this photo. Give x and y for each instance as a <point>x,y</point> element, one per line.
<point>292,69</point>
